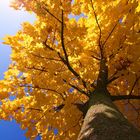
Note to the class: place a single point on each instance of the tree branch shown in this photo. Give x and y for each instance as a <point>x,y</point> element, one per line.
<point>56,109</point>
<point>124,97</point>
<point>44,6</point>
<point>121,42</point>
<point>41,88</point>
<point>62,38</point>
<point>47,58</point>
<point>100,31</point>
<point>95,15</point>
<point>66,60</point>
<point>110,34</point>
<point>112,79</point>
<point>47,46</point>
<point>95,57</point>
<point>30,108</point>
<point>137,78</point>
<point>35,68</point>
<point>77,88</point>
<point>52,15</point>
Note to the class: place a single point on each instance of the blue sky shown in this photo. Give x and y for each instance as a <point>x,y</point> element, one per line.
<point>10,23</point>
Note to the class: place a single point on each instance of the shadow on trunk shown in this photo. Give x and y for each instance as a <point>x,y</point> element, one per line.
<point>104,121</point>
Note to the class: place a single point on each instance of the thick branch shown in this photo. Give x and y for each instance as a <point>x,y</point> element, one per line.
<point>124,97</point>
<point>66,60</point>
<point>62,38</point>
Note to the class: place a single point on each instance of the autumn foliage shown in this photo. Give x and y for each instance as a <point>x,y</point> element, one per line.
<point>55,64</point>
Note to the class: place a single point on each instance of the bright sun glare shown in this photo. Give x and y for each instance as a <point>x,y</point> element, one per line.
<point>5,1</point>
<point>5,5</point>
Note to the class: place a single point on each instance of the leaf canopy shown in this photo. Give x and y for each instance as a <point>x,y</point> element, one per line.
<point>55,63</point>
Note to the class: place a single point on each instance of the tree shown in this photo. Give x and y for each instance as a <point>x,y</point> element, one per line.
<point>75,70</point>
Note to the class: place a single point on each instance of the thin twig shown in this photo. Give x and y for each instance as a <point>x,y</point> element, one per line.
<point>76,87</point>
<point>44,6</point>
<point>35,68</point>
<point>110,34</point>
<point>42,88</point>
<point>95,57</point>
<point>47,58</point>
<point>100,32</point>
<point>137,78</point>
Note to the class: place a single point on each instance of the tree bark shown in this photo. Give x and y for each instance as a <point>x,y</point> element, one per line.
<point>103,121</point>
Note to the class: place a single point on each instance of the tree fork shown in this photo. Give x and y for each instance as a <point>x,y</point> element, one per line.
<point>103,121</point>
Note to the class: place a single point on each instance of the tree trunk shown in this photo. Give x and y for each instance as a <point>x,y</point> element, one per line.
<point>104,121</point>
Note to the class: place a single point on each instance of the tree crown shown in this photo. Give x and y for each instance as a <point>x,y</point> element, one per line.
<point>56,63</point>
